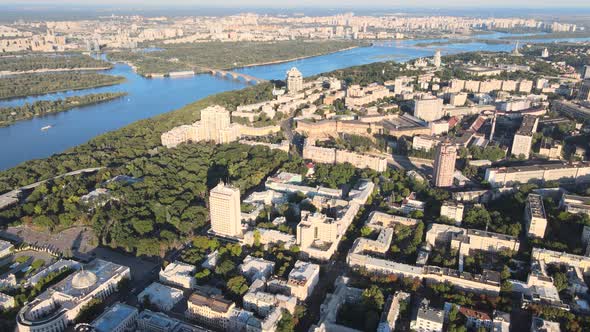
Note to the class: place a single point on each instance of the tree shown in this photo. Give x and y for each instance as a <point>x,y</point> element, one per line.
<point>373,298</point>
<point>560,281</point>
<point>366,231</point>
<point>237,285</point>
<point>225,267</point>
<point>287,323</point>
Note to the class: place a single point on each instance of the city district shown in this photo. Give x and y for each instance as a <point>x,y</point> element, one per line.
<point>455,199</point>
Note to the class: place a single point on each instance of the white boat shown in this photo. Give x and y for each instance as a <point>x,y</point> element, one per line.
<point>46,127</point>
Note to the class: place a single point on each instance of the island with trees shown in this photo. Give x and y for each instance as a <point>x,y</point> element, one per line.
<point>38,84</point>
<point>10,115</point>
<point>45,63</point>
<point>224,55</point>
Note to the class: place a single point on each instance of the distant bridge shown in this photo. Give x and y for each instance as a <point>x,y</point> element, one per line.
<point>234,75</point>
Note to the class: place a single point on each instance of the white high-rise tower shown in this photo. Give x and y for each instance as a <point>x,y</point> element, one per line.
<point>224,210</point>
<point>437,59</point>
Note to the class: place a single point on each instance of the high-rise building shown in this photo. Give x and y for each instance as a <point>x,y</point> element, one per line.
<point>437,59</point>
<point>294,80</point>
<point>215,126</point>
<point>534,215</point>
<point>523,139</point>
<point>545,53</point>
<point>585,90</point>
<point>444,165</point>
<point>224,210</point>
<point>586,73</point>
<point>428,109</point>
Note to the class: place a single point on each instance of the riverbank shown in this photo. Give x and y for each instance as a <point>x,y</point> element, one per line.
<point>297,58</point>
<point>57,70</point>
<point>552,35</point>
<point>200,58</point>
<point>10,115</point>
<point>39,84</point>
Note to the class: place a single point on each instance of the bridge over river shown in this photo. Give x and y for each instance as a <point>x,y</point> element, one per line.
<point>235,75</point>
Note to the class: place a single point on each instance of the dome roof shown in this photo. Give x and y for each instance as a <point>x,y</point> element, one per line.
<point>84,279</point>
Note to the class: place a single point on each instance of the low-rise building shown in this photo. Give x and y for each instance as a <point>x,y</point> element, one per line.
<point>210,309</point>
<point>575,204</point>
<point>5,248</point>
<point>541,325</point>
<point>561,172</point>
<point>149,321</point>
<point>303,279</point>
<point>179,274</point>
<point>119,317</point>
<point>162,296</point>
<point>428,319</point>
<point>256,268</point>
<point>60,304</point>
<point>6,301</point>
<point>452,210</point>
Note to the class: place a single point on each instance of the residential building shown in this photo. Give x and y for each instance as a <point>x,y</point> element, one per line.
<point>580,111</point>
<point>225,211</point>
<point>210,309</point>
<point>342,295</point>
<point>60,304</point>
<point>577,172</point>
<point>428,109</point>
<point>521,145</point>
<point>294,80</point>
<point>162,296</point>
<point>5,248</point>
<point>149,321</point>
<point>179,274</point>
<point>254,268</point>
<point>535,217</point>
<point>452,210</point>
<point>575,204</point>
<point>444,165</point>
<point>215,126</point>
<point>541,325</point>
<point>335,156</point>
<point>119,317</point>
<point>550,150</point>
<point>501,321</point>
<point>6,302</point>
<point>391,311</point>
<point>474,239</point>
<point>303,278</point>
<point>428,319</point>
<point>585,91</point>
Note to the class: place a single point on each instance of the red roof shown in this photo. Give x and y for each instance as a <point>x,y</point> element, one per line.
<point>475,314</point>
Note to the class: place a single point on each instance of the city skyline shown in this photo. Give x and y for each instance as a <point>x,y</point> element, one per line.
<point>331,4</point>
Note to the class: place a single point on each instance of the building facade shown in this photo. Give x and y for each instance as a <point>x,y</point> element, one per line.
<point>294,80</point>
<point>224,210</point>
<point>444,165</point>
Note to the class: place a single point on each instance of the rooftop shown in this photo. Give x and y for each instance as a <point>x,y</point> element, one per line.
<point>535,204</point>
<point>214,302</point>
<point>111,318</point>
<point>303,271</point>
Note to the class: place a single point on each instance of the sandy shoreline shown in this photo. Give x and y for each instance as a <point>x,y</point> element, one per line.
<point>57,70</point>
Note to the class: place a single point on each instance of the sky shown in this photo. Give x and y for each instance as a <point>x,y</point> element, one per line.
<point>312,3</point>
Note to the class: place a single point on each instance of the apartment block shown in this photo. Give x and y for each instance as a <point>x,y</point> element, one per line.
<point>535,217</point>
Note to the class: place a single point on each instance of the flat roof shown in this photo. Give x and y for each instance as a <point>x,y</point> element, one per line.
<point>111,318</point>
<point>214,302</point>
<point>540,167</point>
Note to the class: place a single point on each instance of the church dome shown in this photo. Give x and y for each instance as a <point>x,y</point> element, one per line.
<point>84,279</point>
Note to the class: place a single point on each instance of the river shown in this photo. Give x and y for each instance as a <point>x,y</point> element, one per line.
<point>25,140</point>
